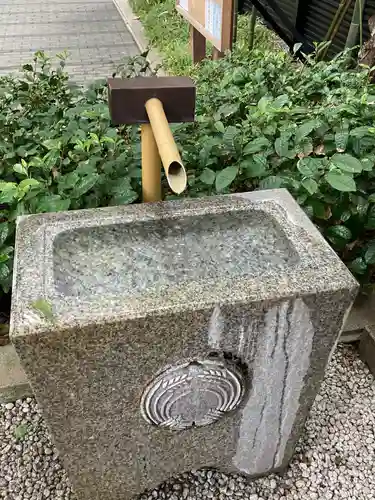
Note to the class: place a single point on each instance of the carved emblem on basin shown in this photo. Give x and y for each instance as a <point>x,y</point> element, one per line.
<point>192,394</point>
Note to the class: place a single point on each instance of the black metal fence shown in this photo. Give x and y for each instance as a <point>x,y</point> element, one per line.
<point>307,21</point>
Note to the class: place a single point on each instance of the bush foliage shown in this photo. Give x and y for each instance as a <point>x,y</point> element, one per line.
<point>169,32</point>
<point>58,150</point>
<point>263,121</point>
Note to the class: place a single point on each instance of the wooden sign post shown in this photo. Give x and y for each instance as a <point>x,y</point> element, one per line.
<point>210,20</point>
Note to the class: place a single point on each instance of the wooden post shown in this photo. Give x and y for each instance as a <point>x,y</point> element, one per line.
<point>151,166</point>
<point>198,45</point>
<point>216,54</point>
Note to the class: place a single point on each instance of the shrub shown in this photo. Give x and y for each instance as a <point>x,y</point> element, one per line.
<point>169,32</point>
<point>263,121</point>
<point>266,122</point>
<point>58,150</point>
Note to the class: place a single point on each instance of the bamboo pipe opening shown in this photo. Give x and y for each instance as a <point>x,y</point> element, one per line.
<point>168,151</point>
<point>176,177</point>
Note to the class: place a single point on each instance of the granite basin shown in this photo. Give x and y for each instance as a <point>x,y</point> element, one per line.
<point>141,257</point>
<point>179,335</point>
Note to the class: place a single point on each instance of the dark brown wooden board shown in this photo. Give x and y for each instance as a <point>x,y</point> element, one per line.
<point>127,98</point>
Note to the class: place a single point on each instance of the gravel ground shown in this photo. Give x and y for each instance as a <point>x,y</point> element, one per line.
<point>335,459</point>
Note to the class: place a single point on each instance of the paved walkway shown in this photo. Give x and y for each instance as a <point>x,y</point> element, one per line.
<point>92,32</point>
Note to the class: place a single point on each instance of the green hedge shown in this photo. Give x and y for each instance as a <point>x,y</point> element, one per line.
<point>263,121</point>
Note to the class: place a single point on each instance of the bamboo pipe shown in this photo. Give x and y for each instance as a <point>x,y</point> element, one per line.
<point>151,166</point>
<point>252,23</point>
<point>355,26</point>
<point>334,27</point>
<point>170,157</point>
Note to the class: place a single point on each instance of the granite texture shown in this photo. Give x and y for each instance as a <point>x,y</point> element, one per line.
<point>242,279</point>
<point>13,382</point>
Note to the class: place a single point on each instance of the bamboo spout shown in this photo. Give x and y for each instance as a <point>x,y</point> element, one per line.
<point>151,166</point>
<point>170,157</point>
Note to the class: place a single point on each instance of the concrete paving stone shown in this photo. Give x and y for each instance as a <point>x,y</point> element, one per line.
<point>55,43</point>
<point>43,2</point>
<point>38,20</point>
<point>76,58</point>
<point>67,28</point>
<point>45,11</point>
<point>93,33</point>
<point>35,8</point>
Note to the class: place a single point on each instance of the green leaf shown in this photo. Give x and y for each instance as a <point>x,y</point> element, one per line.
<point>19,169</point>
<point>220,127</point>
<point>370,223</point>
<point>309,166</point>
<point>282,146</point>
<point>228,109</point>
<point>125,198</point>
<point>52,144</point>
<point>263,104</point>
<point>280,101</point>
<point>87,167</point>
<point>230,135</point>
<point>84,185</point>
<point>4,257</point>
<point>123,192</point>
<point>358,266</point>
<point>44,308</point>
<point>68,181</point>
<point>310,185</point>
<point>304,148</point>
<point>305,129</point>
<point>225,178</point>
<point>52,203</point>
<point>371,198</point>
<point>271,182</point>
<point>253,168</point>
<point>318,209</point>
<point>8,191</point>
<point>36,162</point>
<point>308,210</point>
<point>370,253</point>
<point>359,132</point>
<point>28,183</point>
<point>135,173</point>
<point>24,187</point>
<point>339,233</point>
<point>3,232</point>
<point>207,176</point>
<point>341,182</point>
<point>51,159</point>
<point>368,163</point>
<point>347,163</point>
<point>341,140</point>
<point>256,146</point>
<point>4,271</point>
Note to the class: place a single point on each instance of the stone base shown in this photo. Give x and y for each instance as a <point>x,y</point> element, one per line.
<point>367,348</point>
<point>180,335</point>
<point>13,381</point>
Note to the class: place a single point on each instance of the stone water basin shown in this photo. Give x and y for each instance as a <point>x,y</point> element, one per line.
<point>131,259</point>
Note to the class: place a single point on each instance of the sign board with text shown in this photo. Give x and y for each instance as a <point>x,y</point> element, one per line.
<point>212,18</point>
